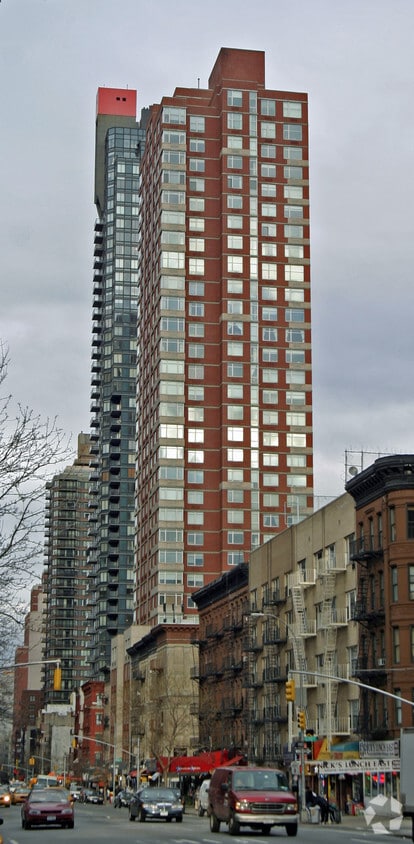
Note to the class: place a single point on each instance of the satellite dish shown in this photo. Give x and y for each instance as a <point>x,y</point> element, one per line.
<point>353,471</point>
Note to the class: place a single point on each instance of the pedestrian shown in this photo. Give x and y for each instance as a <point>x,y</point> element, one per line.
<point>324,808</point>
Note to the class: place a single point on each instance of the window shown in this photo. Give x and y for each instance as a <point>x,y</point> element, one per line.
<point>235,537</point>
<point>268,108</point>
<point>234,286</point>
<point>292,172</point>
<point>269,376</point>
<point>268,229</point>
<point>293,212</point>
<point>234,162</point>
<point>195,537</point>
<point>234,222</point>
<point>411,582</point>
<point>195,435</point>
<point>394,583</point>
<point>173,115</point>
<point>292,109</point>
<point>197,185</point>
<point>294,335</point>
<point>173,260</point>
<point>234,241</point>
<point>197,145</point>
<point>235,517</point>
<point>196,414</point>
<point>295,315</point>
<point>269,334</point>
<point>173,197</point>
<point>268,150</point>
<point>268,209</point>
<point>173,137</point>
<point>234,263</point>
<point>234,98</point>
<point>235,349</point>
<point>410,522</point>
<point>235,182</point>
<point>195,476</point>
<point>196,224</point>
<point>296,440</point>
<point>234,120</point>
<point>294,294</point>
<point>195,517</point>
<point>391,516</point>
<point>235,496</point>
<point>293,231</point>
<point>270,439</point>
<point>235,412</point>
<point>197,165</point>
<point>195,559</point>
<point>173,177</point>
<point>268,189</point>
<point>270,396</point>
<point>234,391</point>
<point>268,171</point>
<point>235,142</point>
<point>292,132</point>
<point>234,370</point>
<point>235,306</point>
<point>295,397</point>
<point>196,329</point>
<point>269,314</point>
<point>196,371</point>
<point>296,419</point>
<point>196,393</point>
<point>196,203</point>
<point>195,456</point>
<point>235,201</point>
<point>196,266</point>
<point>196,309</point>
<point>267,130</point>
<point>396,644</point>
<point>197,123</point>
<point>235,434</point>
<point>196,288</point>
<point>270,417</point>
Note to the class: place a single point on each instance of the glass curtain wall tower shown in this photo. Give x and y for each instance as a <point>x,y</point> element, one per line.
<point>224,394</point>
<point>119,144</point>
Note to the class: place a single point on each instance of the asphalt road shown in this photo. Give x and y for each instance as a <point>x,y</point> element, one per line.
<point>104,824</point>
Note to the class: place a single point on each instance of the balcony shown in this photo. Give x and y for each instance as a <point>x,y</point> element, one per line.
<point>302,577</point>
<point>368,613</point>
<point>366,549</point>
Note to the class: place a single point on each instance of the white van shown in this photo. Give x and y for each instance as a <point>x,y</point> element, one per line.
<point>203,797</point>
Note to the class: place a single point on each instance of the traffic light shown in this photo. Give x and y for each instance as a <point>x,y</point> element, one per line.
<point>290,690</point>
<point>57,679</point>
<point>301,719</point>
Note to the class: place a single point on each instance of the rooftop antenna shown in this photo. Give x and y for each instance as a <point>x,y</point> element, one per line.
<point>198,81</point>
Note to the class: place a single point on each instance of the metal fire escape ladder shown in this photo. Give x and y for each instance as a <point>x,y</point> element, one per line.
<point>301,629</point>
<point>328,581</point>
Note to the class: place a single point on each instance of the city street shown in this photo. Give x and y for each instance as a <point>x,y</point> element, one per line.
<point>102,824</point>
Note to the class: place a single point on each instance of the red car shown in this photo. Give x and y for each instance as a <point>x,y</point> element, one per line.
<point>48,807</point>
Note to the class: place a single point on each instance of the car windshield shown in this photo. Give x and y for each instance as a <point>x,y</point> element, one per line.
<point>157,794</point>
<point>48,796</point>
<point>260,781</point>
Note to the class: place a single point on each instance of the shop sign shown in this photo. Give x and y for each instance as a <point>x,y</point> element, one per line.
<point>355,766</point>
<point>379,749</point>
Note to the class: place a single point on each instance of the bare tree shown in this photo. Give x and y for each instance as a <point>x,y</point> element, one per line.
<point>30,449</point>
<point>171,722</point>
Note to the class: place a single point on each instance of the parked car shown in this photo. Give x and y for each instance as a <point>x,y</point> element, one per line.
<point>19,794</point>
<point>154,802</point>
<point>5,796</point>
<point>48,807</point>
<point>255,797</point>
<point>89,795</point>
<point>123,798</point>
<point>203,797</point>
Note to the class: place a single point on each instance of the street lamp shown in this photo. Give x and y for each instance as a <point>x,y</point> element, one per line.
<point>290,698</point>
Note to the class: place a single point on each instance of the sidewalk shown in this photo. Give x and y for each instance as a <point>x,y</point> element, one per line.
<point>358,822</point>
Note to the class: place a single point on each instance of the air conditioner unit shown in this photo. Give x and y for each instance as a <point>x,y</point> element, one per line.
<point>381,662</point>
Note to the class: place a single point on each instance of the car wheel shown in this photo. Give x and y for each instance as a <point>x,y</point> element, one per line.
<point>214,823</point>
<point>131,816</point>
<point>292,829</point>
<point>142,817</point>
<point>265,829</point>
<point>234,826</point>
<point>179,818</point>
<point>168,820</point>
<point>71,825</point>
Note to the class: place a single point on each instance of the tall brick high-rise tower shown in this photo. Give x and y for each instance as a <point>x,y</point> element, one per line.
<point>224,395</point>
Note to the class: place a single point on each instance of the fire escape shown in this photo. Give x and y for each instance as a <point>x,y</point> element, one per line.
<point>369,611</point>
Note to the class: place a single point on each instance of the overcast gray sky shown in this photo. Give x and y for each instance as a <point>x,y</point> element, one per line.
<point>355,59</point>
